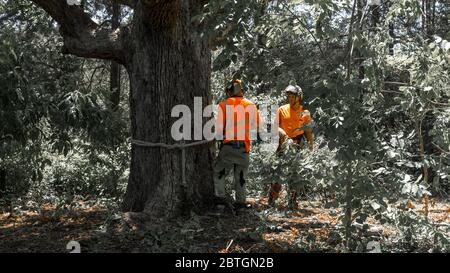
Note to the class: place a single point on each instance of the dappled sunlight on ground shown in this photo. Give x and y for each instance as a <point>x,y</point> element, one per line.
<point>311,228</point>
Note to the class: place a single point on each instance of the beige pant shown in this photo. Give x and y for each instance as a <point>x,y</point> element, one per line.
<point>236,160</point>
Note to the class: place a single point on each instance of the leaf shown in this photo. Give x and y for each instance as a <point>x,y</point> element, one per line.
<point>391,154</point>
<point>20,95</point>
<point>407,178</point>
<point>379,171</point>
<point>406,188</point>
<point>446,45</point>
<point>234,58</point>
<point>409,204</point>
<point>375,205</point>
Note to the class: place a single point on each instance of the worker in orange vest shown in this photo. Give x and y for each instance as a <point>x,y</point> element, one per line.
<point>295,127</point>
<point>237,123</point>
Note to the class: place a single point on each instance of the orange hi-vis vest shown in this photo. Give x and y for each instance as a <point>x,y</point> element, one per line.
<point>290,120</point>
<point>237,120</point>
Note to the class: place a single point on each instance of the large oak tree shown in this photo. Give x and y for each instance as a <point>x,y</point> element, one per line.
<point>168,63</point>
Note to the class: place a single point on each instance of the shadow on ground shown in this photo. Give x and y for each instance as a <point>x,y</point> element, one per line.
<point>263,229</point>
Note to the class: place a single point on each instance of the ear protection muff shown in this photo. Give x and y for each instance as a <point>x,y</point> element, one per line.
<point>300,92</point>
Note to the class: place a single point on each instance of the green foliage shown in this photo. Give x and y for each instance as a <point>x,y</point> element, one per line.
<point>417,234</point>
<point>376,84</point>
<point>374,111</point>
<point>52,105</point>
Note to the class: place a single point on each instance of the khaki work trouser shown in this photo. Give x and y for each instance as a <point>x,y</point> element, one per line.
<point>235,159</point>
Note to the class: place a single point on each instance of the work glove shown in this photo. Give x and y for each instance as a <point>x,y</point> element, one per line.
<point>288,141</point>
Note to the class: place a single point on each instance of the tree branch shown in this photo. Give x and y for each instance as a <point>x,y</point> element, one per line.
<point>128,3</point>
<point>350,41</point>
<point>82,36</point>
<point>302,24</point>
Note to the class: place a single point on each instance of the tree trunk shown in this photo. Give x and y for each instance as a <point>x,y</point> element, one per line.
<point>359,56</point>
<point>429,14</point>
<point>114,80</point>
<point>418,119</point>
<point>426,18</point>
<point>348,206</point>
<point>375,14</point>
<point>2,182</point>
<point>433,14</point>
<point>391,33</point>
<point>168,64</point>
<point>350,41</point>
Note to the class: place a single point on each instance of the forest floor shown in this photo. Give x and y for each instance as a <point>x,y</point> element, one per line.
<point>311,228</point>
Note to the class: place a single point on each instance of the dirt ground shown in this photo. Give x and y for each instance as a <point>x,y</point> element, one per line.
<point>263,229</point>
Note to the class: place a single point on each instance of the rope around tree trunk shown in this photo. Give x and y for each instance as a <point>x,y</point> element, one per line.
<point>181,146</point>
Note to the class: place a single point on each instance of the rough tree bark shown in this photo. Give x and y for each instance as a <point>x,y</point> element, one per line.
<point>168,64</point>
<point>392,34</point>
<point>424,124</point>
<point>2,182</point>
<point>114,77</point>
<point>427,20</point>
<point>358,55</point>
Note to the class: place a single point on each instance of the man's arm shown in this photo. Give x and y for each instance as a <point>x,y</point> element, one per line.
<point>283,135</point>
<point>310,138</point>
